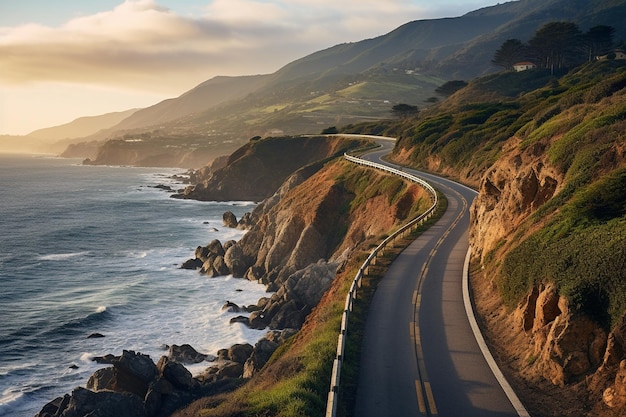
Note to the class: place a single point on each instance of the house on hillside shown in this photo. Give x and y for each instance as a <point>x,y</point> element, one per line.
<point>523,66</point>
<point>614,54</point>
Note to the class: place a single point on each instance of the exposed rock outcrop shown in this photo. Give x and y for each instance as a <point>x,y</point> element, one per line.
<point>565,345</point>
<point>137,387</point>
<point>256,170</point>
<point>512,189</point>
<point>561,343</point>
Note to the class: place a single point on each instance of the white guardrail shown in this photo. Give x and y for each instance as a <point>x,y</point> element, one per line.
<point>331,404</point>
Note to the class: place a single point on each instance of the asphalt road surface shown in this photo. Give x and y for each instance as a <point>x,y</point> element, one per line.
<point>419,355</point>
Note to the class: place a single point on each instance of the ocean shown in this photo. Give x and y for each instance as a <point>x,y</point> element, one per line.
<point>95,249</point>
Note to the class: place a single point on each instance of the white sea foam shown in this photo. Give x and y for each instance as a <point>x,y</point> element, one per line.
<point>8,399</point>
<point>114,270</point>
<point>62,256</point>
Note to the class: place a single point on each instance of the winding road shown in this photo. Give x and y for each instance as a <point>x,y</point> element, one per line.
<point>419,354</point>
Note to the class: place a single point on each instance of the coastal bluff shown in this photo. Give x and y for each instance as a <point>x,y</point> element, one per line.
<point>298,239</point>
<point>257,169</point>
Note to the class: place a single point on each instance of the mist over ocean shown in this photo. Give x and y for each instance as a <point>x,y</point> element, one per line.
<point>91,249</point>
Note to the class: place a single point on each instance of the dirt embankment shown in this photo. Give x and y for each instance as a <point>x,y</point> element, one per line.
<point>561,360</point>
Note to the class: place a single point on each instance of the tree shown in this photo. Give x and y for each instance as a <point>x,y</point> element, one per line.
<point>450,87</point>
<point>598,40</point>
<point>511,52</point>
<point>555,44</point>
<point>403,111</point>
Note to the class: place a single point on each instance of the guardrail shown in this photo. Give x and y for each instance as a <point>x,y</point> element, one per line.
<point>331,404</point>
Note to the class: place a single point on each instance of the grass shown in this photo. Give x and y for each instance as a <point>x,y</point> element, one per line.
<point>296,380</point>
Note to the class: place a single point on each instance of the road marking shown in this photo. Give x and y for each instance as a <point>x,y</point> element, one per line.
<point>420,397</point>
<point>431,399</point>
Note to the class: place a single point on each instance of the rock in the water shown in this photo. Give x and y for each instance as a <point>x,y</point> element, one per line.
<point>185,354</point>
<point>192,264</point>
<point>95,336</point>
<point>231,307</point>
<point>230,220</point>
<point>235,261</point>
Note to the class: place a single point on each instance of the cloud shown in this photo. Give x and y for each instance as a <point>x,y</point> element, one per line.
<point>144,46</point>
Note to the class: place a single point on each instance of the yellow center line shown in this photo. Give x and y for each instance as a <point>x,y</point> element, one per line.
<point>421,403</point>
<point>431,398</point>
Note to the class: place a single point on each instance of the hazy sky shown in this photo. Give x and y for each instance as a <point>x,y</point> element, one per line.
<point>60,60</point>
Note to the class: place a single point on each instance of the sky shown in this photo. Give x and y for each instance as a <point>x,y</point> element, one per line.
<point>60,60</point>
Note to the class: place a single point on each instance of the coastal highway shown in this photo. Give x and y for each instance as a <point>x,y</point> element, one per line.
<point>419,355</point>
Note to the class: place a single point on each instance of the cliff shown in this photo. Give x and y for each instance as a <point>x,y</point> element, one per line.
<point>257,169</point>
<point>548,230</point>
<point>305,232</point>
<point>300,242</point>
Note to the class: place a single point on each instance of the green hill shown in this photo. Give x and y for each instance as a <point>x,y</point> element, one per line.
<point>353,82</point>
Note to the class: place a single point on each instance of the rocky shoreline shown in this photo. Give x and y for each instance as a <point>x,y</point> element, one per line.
<point>135,386</point>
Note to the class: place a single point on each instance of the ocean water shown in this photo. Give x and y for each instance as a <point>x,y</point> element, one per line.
<point>86,249</point>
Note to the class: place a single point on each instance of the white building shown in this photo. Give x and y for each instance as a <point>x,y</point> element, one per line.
<point>523,66</point>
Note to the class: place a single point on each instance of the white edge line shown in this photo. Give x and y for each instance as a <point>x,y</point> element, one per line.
<point>515,401</point>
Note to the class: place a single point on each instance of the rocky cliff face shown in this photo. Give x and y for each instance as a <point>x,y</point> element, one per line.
<point>510,191</point>
<point>256,170</point>
<point>546,337</point>
<point>300,236</point>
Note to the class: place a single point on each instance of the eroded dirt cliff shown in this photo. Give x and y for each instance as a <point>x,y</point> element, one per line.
<point>564,358</point>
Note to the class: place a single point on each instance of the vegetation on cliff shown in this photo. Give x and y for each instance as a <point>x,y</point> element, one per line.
<point>258,168</point>
<point>363,206</point>
<point>548,154</point>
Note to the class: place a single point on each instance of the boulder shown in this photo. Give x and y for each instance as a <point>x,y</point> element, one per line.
<point>138,365</point>
<point>84,402</point>
<point>258,320</point>
<point>231,307</point>
<point>289,314</point>
<point>185,354</point>
<point>240,352</point>
<point>228,244</point>
<point>192,264</point>
<point>247,221</point>
<point>208,269</point>
<point>229,219</point>
<point>202,253</point>
<point>240,319</point>
<point>131,373</point>
<point>101,379</point>
<point>54,407</point>
<point>220,267</point>
<point>230,370</point>
<point>572,347</point>
<point>222,354</point>
<point>215,247</point>
<point>235,261</point>
<point>176,374</point>
<point>262,352</point>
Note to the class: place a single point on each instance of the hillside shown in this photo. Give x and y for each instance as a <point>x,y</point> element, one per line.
<point>57,139</point>
<point>548,155</point>
<point>81,127</point>
<point>354,82</point>
<point>548,235</point>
